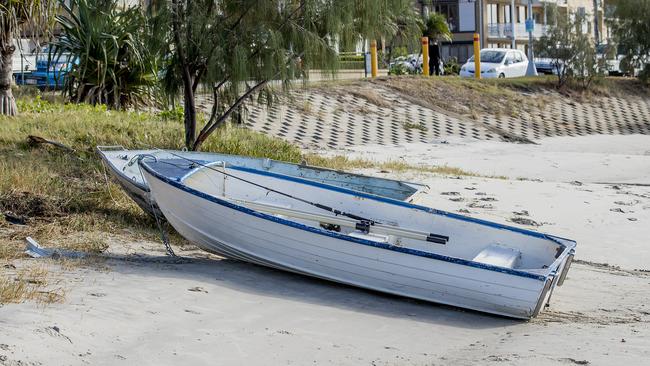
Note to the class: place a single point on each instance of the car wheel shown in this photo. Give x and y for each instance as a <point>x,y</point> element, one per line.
<point>502,76</point>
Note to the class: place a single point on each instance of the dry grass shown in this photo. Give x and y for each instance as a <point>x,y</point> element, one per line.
<point>64,197</point>
<point>509,97</point>
<point>467,98</point>
<point>340,162</point>
<point>415,126</point>
<point>34,283</point>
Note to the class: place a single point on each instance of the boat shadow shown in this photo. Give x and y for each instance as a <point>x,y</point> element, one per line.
<point>269,282</point>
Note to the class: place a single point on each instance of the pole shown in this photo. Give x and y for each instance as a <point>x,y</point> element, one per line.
<point>480,19</point>
<point>373,58</point>
<point>477,56</point>
<point>531,70</point>
<point>425,56</point>
<point>596,23</point>
<point>512,24</point>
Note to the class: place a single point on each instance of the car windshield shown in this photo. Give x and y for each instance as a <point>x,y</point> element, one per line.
<point>490,56</point>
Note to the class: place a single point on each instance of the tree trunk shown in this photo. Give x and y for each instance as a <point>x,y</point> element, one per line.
<point>7,101</point>
<point>189,110</point>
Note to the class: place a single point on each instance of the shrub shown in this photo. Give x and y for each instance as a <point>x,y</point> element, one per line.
<point>113,64</point>
<point>571,50</point>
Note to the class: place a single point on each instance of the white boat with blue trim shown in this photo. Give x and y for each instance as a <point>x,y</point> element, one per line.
<point>364,240</point>
<point>122,165</point>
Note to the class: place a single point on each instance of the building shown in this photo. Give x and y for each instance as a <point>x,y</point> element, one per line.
<point>501,23</point>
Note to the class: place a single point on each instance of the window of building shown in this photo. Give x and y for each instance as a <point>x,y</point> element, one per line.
<point>450,10</point>
<point>521,14</point>
<point>493,13</point>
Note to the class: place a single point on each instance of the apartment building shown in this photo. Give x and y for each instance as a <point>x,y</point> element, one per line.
<point>501,23</point>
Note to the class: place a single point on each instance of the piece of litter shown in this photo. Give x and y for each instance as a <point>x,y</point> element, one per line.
<point>197,289</point>
<point>14,219</point>
<point>35,250</point>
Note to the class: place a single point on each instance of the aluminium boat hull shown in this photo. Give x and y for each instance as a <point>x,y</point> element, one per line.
<point>219,225</point>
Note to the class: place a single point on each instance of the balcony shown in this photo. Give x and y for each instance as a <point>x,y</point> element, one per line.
<point>504,31</point>
<point>541,2</point>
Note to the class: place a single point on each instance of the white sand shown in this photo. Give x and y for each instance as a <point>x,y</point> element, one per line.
<point>143,312</point>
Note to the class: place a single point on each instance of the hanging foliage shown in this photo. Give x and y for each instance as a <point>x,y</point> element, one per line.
<point>234,48</point>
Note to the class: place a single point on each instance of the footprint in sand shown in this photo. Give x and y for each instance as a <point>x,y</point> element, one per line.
<point>630,203</point>
<point>525,221</point>
<point>488,199</point>
<point>480,205</point>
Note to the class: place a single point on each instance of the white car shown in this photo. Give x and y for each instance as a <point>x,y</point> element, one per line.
<point>497,63</point>
<point>413,64</point>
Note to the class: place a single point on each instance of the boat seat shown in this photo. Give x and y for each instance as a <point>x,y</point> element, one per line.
<point>499,255</point>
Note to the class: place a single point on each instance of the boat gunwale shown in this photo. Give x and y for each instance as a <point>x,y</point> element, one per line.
<point>455,260</point>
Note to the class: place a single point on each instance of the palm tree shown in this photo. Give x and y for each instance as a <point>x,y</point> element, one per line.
<point>18,16</point>
<point>436,28</point>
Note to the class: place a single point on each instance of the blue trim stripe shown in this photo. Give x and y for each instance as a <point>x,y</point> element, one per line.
<point>319,231</point>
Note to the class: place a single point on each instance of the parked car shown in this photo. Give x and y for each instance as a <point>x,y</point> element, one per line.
<point>497,63</point>
<point>49,74</point>
<point>615,62</point>
<point>410,64</point>
<point>548,66</point>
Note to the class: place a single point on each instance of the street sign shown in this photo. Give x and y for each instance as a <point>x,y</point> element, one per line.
<point>530,25</point>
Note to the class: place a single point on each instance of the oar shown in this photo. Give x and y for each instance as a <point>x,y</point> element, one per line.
<point>343,221</point>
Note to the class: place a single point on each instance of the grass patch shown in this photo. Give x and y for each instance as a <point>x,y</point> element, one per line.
<point>340,162</point>
<point>64,197</point>
<point>415,126</point>
<point>33,283</point>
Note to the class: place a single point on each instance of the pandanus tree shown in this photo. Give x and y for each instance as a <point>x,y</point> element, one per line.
<point>241,49</point>
<point>30,18</point>
<point>115,56</point>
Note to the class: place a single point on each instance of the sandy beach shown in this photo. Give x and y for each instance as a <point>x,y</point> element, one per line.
<point>137,306</point>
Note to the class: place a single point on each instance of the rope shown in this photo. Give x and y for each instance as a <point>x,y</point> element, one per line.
<point>163,233</point>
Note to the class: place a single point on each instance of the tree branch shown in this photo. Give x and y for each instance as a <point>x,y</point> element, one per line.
<point>209,128</point>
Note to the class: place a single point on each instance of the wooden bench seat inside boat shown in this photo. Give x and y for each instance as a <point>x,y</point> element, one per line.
<point>499,255</point>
